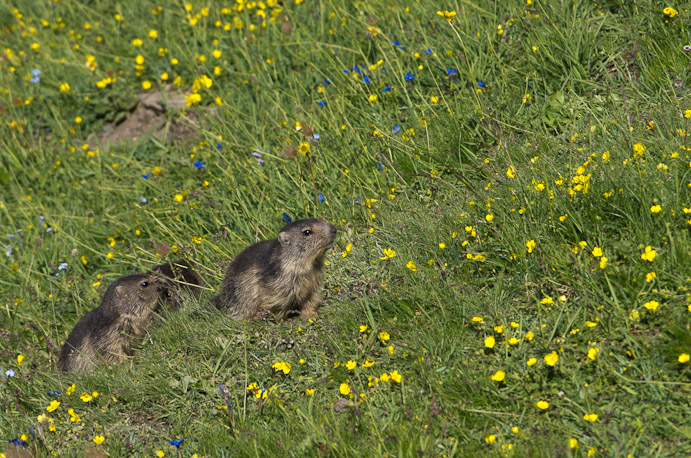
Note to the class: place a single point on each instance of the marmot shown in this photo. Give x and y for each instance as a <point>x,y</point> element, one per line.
<point>186,281</point>
<point>283,275</point>
<point>109,332</point>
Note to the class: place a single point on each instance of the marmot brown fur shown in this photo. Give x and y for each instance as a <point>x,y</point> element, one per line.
<point>186,281</point>
<point>109,332</point>
<point>282,275</point>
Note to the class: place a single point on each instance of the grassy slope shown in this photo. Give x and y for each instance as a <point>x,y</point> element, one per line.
<point>544,113</point>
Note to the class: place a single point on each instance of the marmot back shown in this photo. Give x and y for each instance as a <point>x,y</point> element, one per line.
<point>184,281</point>
<point>282,275</point>
<point>108,333</point>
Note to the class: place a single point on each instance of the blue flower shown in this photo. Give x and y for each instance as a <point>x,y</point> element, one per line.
<point>451,72</point>
<point>381,167</point>
<point>386,89</point>
<point>50,229</point>
<point>409,76</point>
<point>315,136</point>
<point>201,165</point>
<point>322,103</point>
<point>9,373</point>
<point>142,200</point>
<point>396,129</point>
<point>427,51</point>
<point>287,218</point>
<point>257,155</point>
<point>63,266</point>
<point>218,146</point>
<point>146,177</point>
<point>41,218</point>
<point>366,79</point>
<point>52,393</point>
<point>321,197</point>
<point>480,83</point>
<point>35,79</point>
<point>396,43</point>
<point>345,70</point>
<point>18,442</point>
<point>326,82</point>
<point>176,443</point>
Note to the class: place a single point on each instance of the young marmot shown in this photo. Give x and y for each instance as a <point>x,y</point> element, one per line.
<point>282,275</point>
<point>186,281</point>
<point>109,332</point>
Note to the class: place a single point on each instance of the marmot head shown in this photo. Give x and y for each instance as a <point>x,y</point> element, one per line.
<point>135,294</point>
<point>307,239</point>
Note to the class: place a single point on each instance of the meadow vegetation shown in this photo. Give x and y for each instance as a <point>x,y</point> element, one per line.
<point>511,181</point>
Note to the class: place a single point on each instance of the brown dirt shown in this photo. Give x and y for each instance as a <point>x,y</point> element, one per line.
<point>155,115</point>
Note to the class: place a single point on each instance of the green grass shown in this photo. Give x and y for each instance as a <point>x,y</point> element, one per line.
<point>566,129</point>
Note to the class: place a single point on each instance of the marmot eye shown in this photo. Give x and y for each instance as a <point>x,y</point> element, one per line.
<point>144,284</point>
<point>307,232</point>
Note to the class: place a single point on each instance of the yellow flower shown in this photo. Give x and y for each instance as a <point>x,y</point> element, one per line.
<point>649,254</point>
<point>363,328</point>
<point>603,262</point>
<point>178,197</point>
<point>136,42</point>
<point>384,336</point>
<point>656,209</point>
<point>591,417</point>
<point>78,120</point>
<point>99,439</point>
<point>373,98</point>
<point>304,148</point>
<point>592,353</point>
<point>542,405</point>
<point>20,358</point>
<point>344,389</point>
<point>650,276</point>
<point>384,377</point>
<point>687,114</point>
<point>70,389</point>
<point>368,363</point>
<point>547,301</point>
<point>153,34</point>
<point>477,319</point>
<point>511,172</point>
<point>551,359</point>
<point>53,405</point>
<point>65,87</point>
<point>350,365</point>
<point>652,305</point>
<point>146,84</point>
<point>513,341</point>
<point>282,367</point>
<point>160,454</point>
<point>489,342</point>
<point>573,444</point>
<point>216,53</point>
<point>309,391</point>
<point>434,99</point>
<point>597,252</point>
<point>489,217</point>
<point>498,376</point>
<point>411,265</point>
<point>530,244</point>
<point>529,335</point>
<point>442,246</point>
<point>669,11</point>
<point>639,149</point>
<point>490,439</point>
<point>395,376</point>
<point>531,361</point>
<point>684,358</point>
<point>447,14</point>
<point>86,397</point>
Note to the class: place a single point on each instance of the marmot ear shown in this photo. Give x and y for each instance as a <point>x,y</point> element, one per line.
<point>283,238</point>
<point>120,290</point>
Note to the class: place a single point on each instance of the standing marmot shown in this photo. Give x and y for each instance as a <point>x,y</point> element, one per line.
<point>109,331</point>
<point>186,281</point>
<point>281,275</point>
